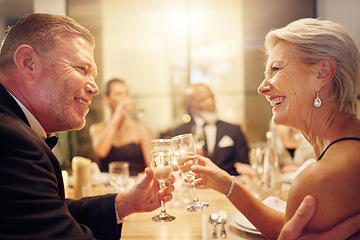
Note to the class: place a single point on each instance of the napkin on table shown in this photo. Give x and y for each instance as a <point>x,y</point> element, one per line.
<point>275,203</point>
<point>290,176</point>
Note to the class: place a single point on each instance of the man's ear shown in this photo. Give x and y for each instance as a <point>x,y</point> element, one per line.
<point>327,70</point>
<point>24,60</point>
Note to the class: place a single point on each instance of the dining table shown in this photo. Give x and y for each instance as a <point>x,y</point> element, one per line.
<point>187,225</point>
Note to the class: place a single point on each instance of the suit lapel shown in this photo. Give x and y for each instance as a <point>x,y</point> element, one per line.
<point>10,105</point>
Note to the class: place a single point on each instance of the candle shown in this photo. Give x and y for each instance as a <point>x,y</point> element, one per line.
<point>81,168</point>
<point>65,177</point>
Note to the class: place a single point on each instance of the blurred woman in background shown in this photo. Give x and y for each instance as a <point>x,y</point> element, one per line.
<point>121,138</point>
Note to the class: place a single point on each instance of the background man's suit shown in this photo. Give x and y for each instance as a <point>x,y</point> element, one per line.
<point>230,145</point>
<point>32,200</point>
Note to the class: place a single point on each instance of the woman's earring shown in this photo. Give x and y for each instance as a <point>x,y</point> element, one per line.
<point>317,101</point>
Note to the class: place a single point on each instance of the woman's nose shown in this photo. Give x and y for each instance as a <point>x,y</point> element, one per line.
<point>264,87</point>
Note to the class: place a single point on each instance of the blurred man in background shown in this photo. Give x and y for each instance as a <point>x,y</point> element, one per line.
<point>222,142</point>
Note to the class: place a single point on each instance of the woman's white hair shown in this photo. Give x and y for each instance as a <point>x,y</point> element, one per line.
<point>314,40</point>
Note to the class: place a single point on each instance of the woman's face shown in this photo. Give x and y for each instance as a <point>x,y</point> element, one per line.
<point>118,93</point>
<point>288,86</point>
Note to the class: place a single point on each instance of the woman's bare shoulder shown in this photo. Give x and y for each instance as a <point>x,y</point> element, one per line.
<point>300,187</point>
<point>334,182</point>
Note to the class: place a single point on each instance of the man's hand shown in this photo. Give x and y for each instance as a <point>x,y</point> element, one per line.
<point>293,229</point>
<point>245,169</point>
<point>145,196</point>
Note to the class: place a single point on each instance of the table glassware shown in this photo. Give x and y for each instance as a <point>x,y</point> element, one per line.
<point>119,175</point>
<point>271,174</point>
<point>184,151</point>
<point>161,165</point>
<point>257,152</point>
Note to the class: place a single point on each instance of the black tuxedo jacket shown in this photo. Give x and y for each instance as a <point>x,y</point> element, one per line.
<point>32,201</point>
<point>225,154</point>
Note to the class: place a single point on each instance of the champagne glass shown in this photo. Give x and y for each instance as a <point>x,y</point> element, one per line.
<point>119,175</point>
<point>161,165</point>
<point>184,151</point>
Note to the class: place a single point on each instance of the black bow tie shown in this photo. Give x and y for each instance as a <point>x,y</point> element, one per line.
<point>51,141</point>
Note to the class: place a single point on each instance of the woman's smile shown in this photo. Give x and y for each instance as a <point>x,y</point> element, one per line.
<point>275,101</point>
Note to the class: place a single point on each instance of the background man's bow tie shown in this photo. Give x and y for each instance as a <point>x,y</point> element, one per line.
<point>51,141</point>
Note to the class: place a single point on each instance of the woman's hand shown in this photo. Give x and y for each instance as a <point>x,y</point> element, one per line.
<point>123,107</point>
<point>210,175</point>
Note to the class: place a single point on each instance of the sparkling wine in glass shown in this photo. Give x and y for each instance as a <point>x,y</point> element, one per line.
<point>161,165</point>
<point>184,151</point>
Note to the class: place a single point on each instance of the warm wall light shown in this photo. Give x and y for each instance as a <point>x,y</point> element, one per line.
<point>186,118</point>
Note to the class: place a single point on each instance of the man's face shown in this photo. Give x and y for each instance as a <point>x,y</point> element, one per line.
<point>65,85</point>
<point>203,99</point>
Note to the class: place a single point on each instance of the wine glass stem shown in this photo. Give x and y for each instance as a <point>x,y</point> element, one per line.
<point>163,210</point>
<point>195,197</point>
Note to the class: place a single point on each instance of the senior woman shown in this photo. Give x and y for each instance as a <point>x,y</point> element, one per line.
<point>310,81</point>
